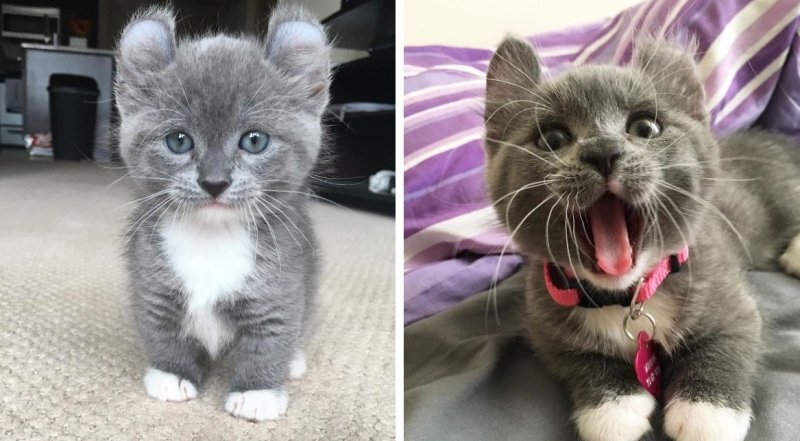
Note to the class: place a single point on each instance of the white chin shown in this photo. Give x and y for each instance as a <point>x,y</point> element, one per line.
<point>216,214</point>
<point>644,262</point>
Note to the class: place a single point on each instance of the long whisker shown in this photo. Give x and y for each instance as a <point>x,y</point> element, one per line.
<point>567,228</point>
<point>523,149</point>
<point>267,206</point>
<point>138,224</point>
<point>680,213</point>
<point>503,252</point>
<point>287,217</point>
<point>714,209</point>
<point>155,226</point>
<point>274,238</point>
<point>547,231</point>
<point>144,199</point>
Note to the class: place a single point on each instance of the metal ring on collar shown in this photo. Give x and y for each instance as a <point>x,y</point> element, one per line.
<point>636,309</point>
<point>643,314</point>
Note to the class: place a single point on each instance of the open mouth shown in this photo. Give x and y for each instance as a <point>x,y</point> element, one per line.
<point>613,235</point>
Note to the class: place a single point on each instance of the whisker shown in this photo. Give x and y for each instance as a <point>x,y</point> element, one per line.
<point>714,209</point>
<point>527,151</point>
<point>503,252</point>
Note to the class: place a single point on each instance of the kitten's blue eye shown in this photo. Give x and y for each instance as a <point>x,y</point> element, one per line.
<point>552,139</point>
<point>254,142</point>
<point>644,127</point>
<point>179,142</point>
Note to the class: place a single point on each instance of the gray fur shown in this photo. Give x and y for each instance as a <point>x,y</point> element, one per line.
<point>216,88</point>
<point>713,353</point>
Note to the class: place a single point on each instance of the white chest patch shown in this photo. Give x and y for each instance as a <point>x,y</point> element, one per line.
<point>606,322</point>
<point>212,261</point>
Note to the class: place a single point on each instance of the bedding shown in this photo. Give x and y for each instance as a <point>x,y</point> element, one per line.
<point>748,57</point>
<point>470,376</point>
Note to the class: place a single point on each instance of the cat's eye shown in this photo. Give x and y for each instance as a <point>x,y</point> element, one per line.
<point>179,142</point>
<point>644,127</point>
<point>254,141</point>
<point>553,139</point>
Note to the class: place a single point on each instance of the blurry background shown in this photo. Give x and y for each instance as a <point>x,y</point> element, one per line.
<point>477,23</point>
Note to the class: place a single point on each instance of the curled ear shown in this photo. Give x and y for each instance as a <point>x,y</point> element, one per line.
<point>513,76</point>
<point>673,72</point>
<point>148,43</point>
<point>297,45</point>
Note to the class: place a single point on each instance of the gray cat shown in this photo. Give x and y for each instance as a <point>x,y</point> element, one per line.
<point>605,173</point>
<point>220,134</point>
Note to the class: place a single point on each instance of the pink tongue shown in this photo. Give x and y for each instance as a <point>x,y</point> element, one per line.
<point>612,247</point>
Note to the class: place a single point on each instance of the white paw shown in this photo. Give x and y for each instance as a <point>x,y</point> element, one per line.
<point>257,405</point>
<point>790,259</point>
<point>626,418</point>
<point>168,387</point>
<point>687,421</point>
<point>297,366</point>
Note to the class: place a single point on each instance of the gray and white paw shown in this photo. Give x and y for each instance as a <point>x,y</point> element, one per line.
<point>257,405</point>
<point>790,259</point>
<point>165,386</point>
<point>626,418</point>
<point>698,421</point>
<point>297,365</point>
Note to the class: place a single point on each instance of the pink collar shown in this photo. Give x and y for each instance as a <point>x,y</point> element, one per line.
<point>567,290</point>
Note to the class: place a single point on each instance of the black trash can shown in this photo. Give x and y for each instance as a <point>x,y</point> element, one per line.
<point>73,114</point>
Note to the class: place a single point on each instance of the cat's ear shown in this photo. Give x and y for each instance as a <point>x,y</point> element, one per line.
<point>298,46</point>
<point>148,43</point>
<point>672,70</point>
<point>513,76</point>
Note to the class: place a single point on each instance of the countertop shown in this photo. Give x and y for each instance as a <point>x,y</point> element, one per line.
<point>77,50</point>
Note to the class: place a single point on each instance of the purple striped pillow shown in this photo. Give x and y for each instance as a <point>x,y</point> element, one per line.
<point>748,59</point>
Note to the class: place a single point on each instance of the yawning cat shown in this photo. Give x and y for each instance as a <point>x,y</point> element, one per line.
<point>615,189</point>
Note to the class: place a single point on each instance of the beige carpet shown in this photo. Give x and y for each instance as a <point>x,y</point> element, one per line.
<point>70,361</point>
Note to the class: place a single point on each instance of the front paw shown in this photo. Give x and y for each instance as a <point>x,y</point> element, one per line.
<point>257,405</point>
<point>168,387</point>
<point>790,259</point>
<point>698,421</point>
<point>625,418</point>
<point>297,365</point>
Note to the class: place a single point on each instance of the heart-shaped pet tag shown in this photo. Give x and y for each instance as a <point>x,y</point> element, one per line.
<point>648,369</point>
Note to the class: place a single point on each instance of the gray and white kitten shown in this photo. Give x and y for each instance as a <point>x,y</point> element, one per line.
<point>220,134</point>
<point>637,138</point>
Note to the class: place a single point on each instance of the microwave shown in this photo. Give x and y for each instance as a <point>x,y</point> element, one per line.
<point>29,23</point>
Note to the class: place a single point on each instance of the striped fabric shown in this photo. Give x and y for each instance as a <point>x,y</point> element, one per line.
<point>748,60</point>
